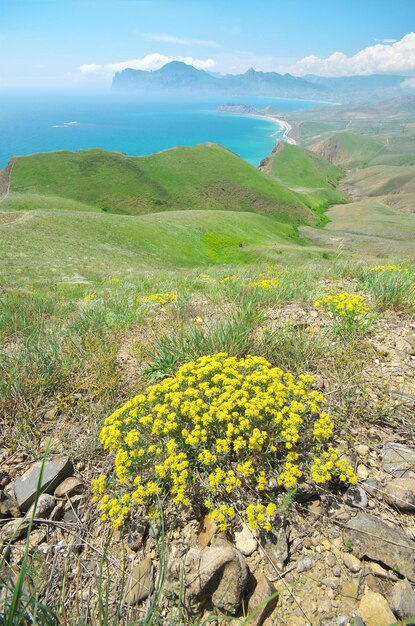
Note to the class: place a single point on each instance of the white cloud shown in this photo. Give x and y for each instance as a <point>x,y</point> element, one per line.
<point>150,62</point>
<point>386,40</point>
<point>409,83</point>
<point>385,58</point>
<point>90,68</point>
<point>182,42</point>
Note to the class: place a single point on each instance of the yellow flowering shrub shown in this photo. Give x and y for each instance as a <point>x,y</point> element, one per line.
<point>158,298</point>
<point>90,296</point>
<point>266,283</point>
<point>218,431</point>
<point>206,278</point>
<point>344,305</point>
<point>229,279</point>
<point>387,268</point>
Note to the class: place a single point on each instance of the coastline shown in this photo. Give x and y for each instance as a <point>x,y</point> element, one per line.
<point>283,124</point>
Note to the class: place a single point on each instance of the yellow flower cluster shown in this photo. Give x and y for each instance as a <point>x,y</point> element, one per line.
<point>387,268</point>
<point>218,430</point>
<point>222,515</point>
<point>328,464</point>
<point>346,305</point>
<point>266,283</point>
<point>259,515</point>
<point>90,296</point>
<point>158,298</point>
<point>206,278</point>
<point>228,279</point>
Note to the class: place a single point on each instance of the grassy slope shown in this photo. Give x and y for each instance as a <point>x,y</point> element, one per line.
<point>64,244</point>
<point>309,175</point>
<point>202,177</point>
<point>348,149</point>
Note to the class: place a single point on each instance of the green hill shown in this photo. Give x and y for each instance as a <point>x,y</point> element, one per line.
<point>207,177</point>
<point>311,177</point>
<point>61,244</point>
<point>348,149</point>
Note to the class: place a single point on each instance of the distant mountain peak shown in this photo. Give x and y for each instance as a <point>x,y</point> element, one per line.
<point>182,78</point>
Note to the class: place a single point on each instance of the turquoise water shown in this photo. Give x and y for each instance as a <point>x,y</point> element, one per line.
<point>43,123</point>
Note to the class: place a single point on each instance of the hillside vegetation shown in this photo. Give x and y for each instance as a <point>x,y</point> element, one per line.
<point>121,272</point>
<point>310,176</point>
<point>207,177</point>
<point>348,149</point>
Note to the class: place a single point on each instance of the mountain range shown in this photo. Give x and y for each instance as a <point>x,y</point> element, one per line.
<point>179,78</point>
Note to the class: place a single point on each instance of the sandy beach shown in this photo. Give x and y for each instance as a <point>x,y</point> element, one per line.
<point>281,123</point>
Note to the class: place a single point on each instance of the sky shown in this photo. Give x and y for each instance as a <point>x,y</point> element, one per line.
<point>50,44</point>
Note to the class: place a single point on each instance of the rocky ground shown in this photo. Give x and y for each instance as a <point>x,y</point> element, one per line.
<point>332,559</point>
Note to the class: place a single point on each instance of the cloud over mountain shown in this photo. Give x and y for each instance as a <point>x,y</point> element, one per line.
<point>383,58</point>
<point>149,62</point>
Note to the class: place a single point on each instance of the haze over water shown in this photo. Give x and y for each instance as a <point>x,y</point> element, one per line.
<point>47,122</point>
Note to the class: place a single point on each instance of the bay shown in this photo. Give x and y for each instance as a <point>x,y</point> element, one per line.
<point>44,122</point>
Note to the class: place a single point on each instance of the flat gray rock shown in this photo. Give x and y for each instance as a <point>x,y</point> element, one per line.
<point>398,459</point>
<point>403,599</point>
<point>140,584</point>
<point>54,472</point>
<point>369,536</point>
<point>400,493</point>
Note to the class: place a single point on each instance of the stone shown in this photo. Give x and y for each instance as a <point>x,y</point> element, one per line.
<point>136,535</point>
<point>352,563</point>
<point>70,512</point>
<point>9,507</point>
<point>374,610</point>
<point>304,565</point>
<point>377,570</point>
<point>403,345</point>
<point>208,529</point>
<point>410,338</point>
<point>400,493</point>
<point>362,450</point>
<point>140,583</point>
<point>4,478</point>
<point>305,491</point>
<point>245,541</point>
<point>398,459</point>
<point>402,601</point>
<point>362,472</point>
<point>337,571</point>
<point>14,530</point>
<point>44,506</point>
<point>350,589</point>
<point>261,603</point>
<point>217,573</point>
<point>37,537</point>
<point>373,487</point>
<point>332,583</point>
<point>369,536</point>
<point>275,545</point>
<point>71,486</point>
<point>54,471</point>
<point>228,595</point>
<point>154,529</point>
<point>355,496</point>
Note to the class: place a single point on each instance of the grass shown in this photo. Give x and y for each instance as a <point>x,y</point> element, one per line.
<point>393,291</point>
<point>311,177</point>
<point>199,178</point>
<point>348,149</point>
<point>71,227</point>
<point>78,248</point>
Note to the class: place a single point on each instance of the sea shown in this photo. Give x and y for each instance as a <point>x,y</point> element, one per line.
<point>34,122</point>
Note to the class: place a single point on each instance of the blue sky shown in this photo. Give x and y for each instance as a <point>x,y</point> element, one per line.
<point>69,43</point>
